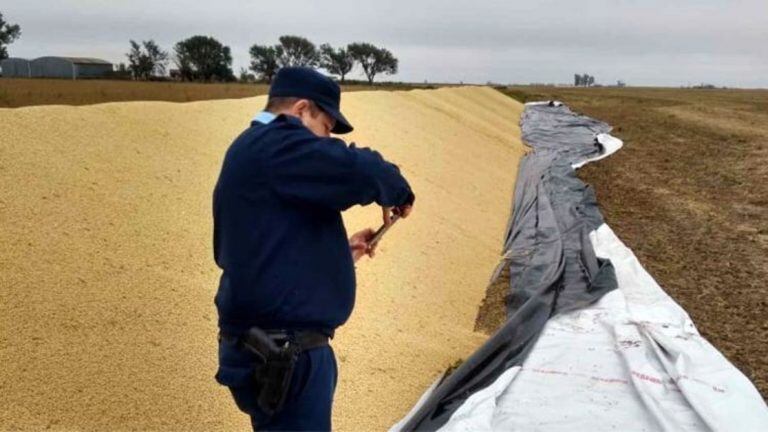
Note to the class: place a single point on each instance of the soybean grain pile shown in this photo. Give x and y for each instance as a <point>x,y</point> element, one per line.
<point>21,92</point>
<point>107,277</point>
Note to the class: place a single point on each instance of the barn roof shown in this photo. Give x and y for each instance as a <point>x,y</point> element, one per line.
<point>82,60</point>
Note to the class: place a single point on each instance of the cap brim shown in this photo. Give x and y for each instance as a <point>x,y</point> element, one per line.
<point>342,125</point>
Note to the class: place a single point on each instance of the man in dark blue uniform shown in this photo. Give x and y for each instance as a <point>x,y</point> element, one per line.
<point>288,272</point>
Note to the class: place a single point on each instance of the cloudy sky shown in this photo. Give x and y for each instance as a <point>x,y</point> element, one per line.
<point>643,42</point>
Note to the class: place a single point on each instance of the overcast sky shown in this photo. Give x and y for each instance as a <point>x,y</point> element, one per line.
<point>648,42</point>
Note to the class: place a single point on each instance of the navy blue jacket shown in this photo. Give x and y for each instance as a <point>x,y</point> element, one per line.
<point>278,234</point>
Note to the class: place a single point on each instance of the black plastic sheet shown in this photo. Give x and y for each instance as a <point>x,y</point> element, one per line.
<point>553,267</point>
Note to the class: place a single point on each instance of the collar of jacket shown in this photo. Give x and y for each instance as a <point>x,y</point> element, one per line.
<point>264,117</point>
<point>258,120</point>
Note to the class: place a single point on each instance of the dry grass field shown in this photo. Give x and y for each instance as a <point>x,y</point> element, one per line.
<point>689,194</point>
<point>16,93</point>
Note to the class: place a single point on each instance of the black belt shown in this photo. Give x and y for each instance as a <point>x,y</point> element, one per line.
<point>305,340</point>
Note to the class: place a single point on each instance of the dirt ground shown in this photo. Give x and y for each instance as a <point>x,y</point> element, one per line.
<point>107,278</point>
<point>689,194</point>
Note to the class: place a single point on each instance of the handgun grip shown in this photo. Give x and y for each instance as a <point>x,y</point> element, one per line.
<point>258,342</point>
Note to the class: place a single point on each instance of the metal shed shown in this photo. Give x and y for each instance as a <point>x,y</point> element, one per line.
<point>15,67</point>
<point>70,67</point>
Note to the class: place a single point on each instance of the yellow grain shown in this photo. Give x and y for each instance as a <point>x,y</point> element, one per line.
<point>107,277</point>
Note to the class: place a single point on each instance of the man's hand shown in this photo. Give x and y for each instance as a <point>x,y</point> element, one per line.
<point>359,244</point>
<point>402,211</point>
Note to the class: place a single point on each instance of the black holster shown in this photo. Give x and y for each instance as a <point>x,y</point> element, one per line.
<point>274,367</point>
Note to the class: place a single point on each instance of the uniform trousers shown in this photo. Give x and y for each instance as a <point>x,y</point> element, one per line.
<point>310,396</point>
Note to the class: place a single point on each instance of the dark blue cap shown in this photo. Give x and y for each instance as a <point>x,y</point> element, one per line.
<point>307,83</point>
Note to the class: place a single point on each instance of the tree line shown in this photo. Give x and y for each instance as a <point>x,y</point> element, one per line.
<point>585,80</point>
<point>203,58</point>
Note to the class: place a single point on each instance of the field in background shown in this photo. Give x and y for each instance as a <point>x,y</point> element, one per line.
<point>689,194</point>
<point>16,93</point>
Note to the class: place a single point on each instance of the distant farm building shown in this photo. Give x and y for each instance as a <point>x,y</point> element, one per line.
<point>16,68</point>
<point>70,67</point>
<point>56,67</point>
